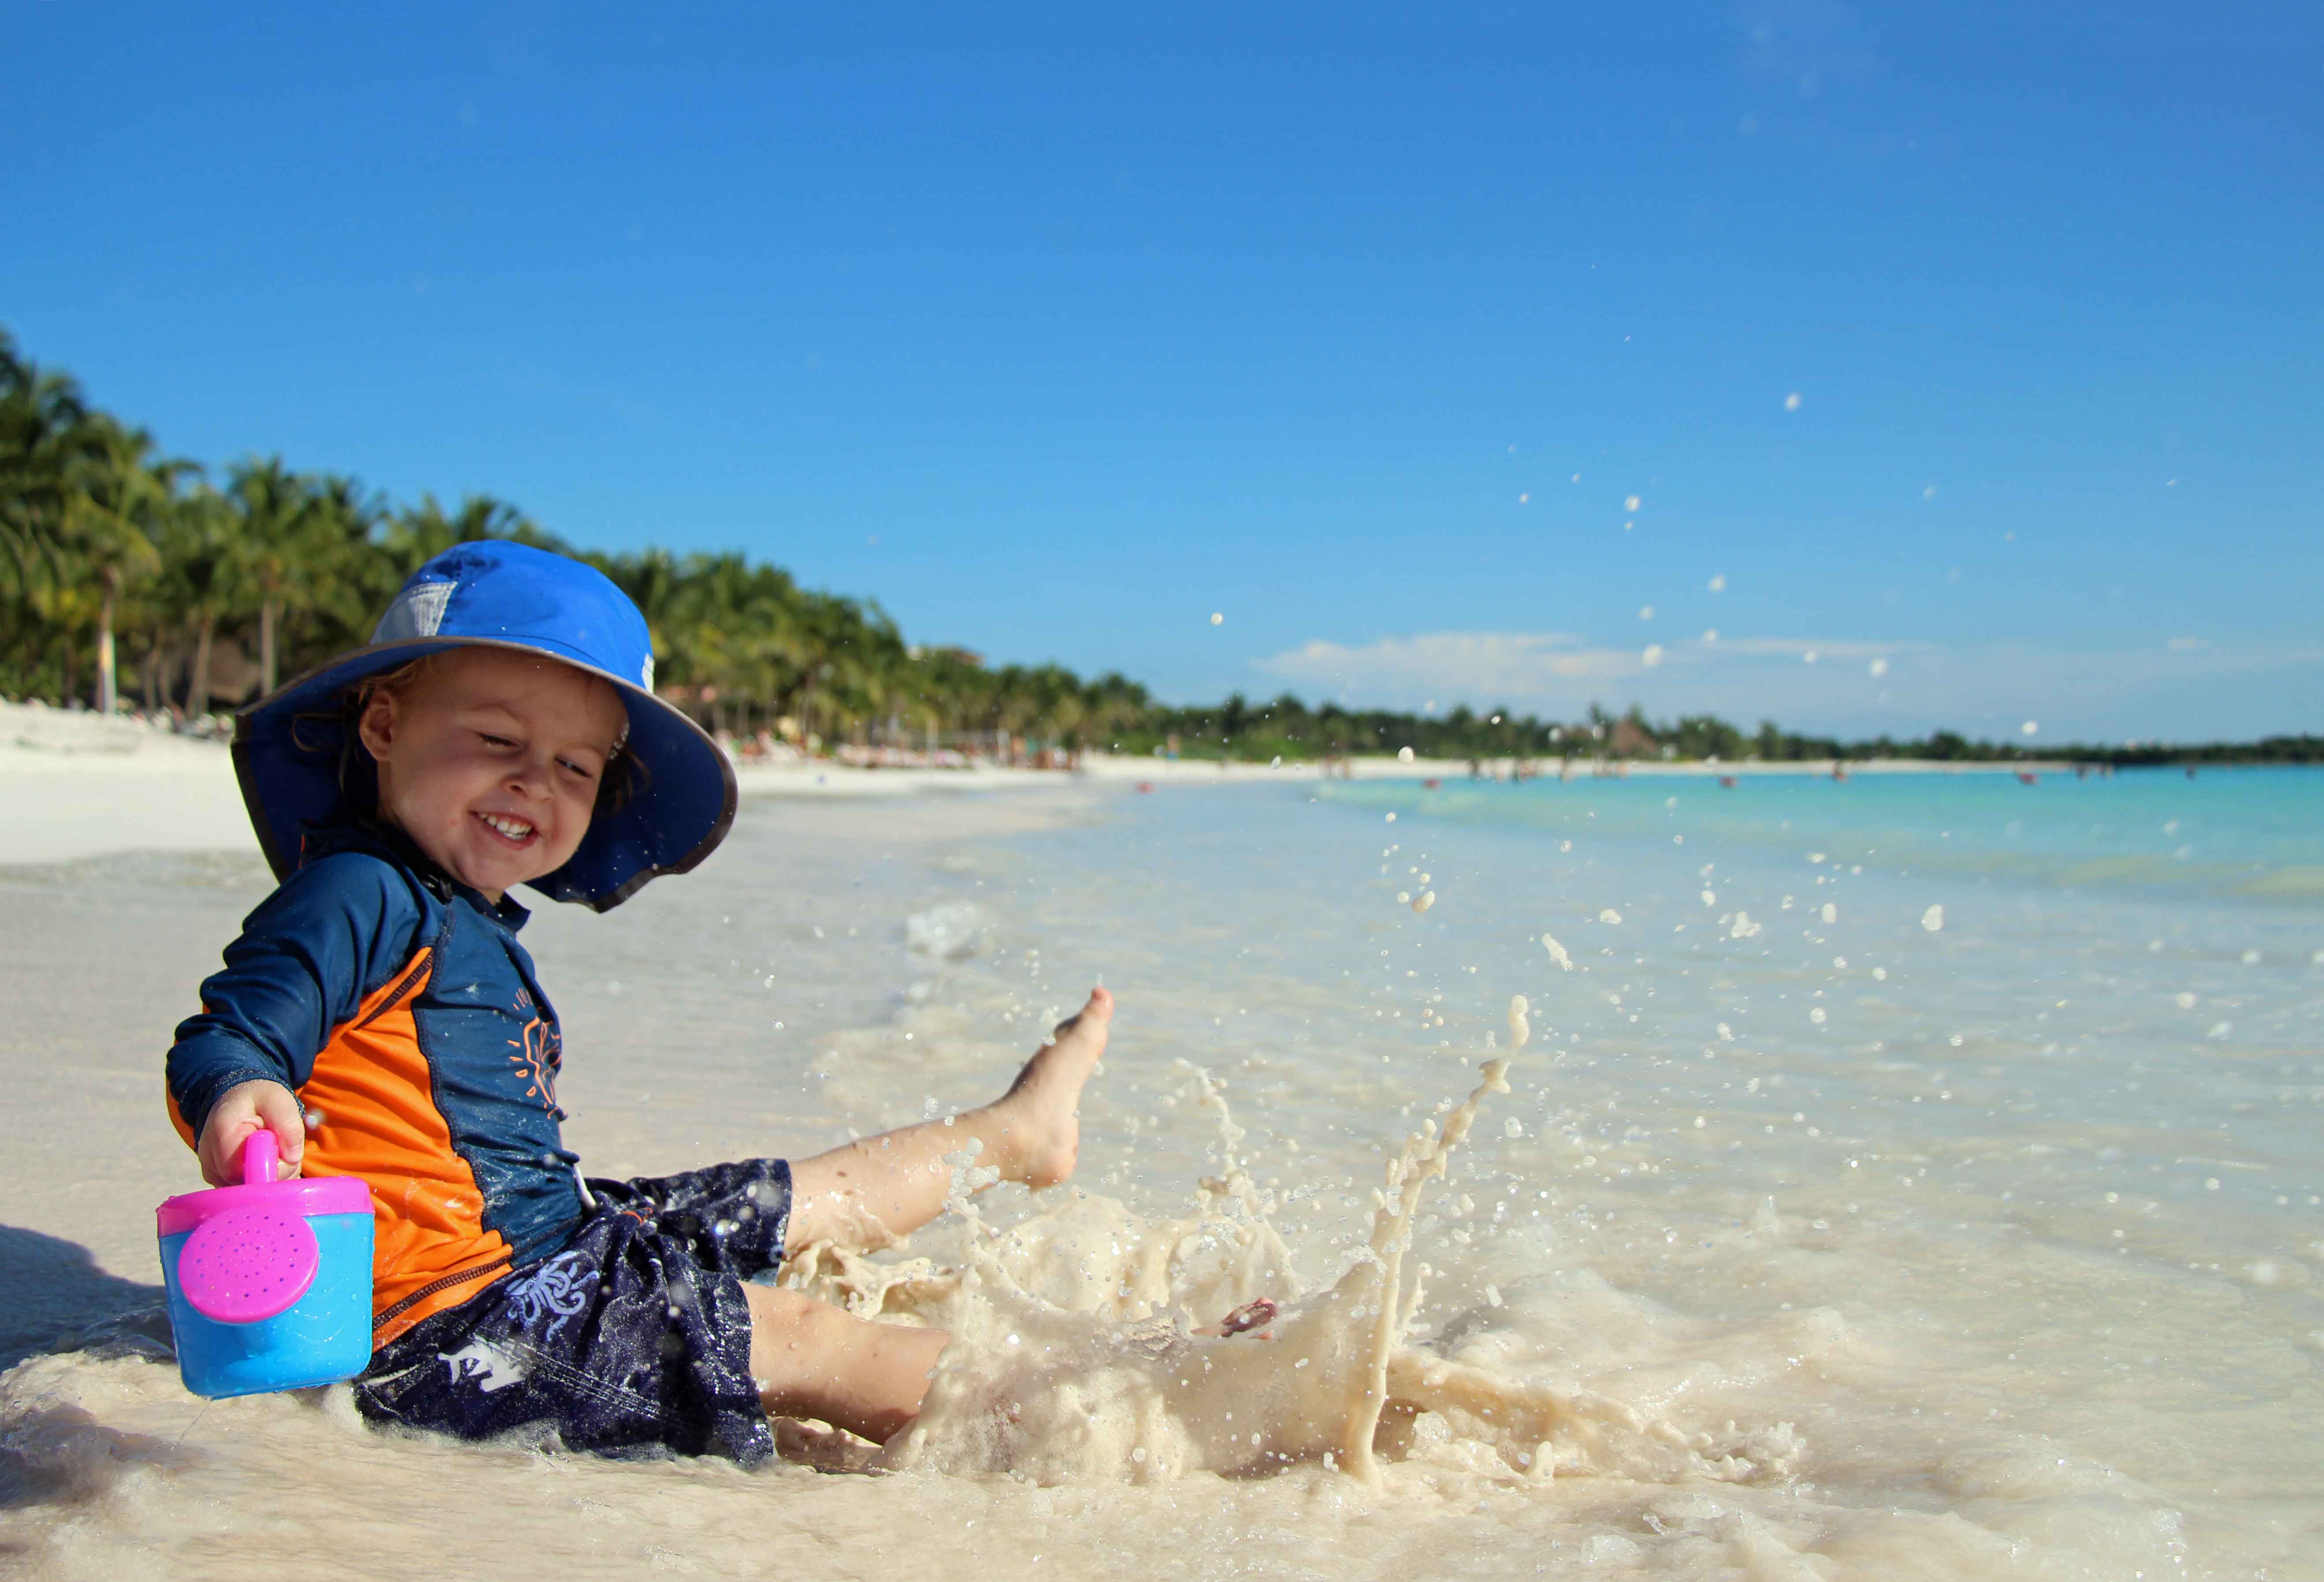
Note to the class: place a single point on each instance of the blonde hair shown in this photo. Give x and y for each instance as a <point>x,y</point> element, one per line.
<point>397,683</point>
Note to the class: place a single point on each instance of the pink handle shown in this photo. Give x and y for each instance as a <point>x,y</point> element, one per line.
<point>260,1154</point>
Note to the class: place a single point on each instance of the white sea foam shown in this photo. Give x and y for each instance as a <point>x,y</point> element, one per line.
<point>950,932</point>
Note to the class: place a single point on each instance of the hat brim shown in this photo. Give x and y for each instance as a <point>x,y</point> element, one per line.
<point>286,758</point>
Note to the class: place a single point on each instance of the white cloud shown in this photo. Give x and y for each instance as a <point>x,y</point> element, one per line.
<point>1469,664</point>
<point>1801,647</point>
<point>1549,668</point>
<point>1903,687</point>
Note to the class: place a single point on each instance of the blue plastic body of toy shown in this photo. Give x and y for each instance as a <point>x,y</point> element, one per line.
<point>322,1337</point>
<point>269,1281</point>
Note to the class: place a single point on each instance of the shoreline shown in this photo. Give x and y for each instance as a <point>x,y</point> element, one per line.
<point>73,786</point>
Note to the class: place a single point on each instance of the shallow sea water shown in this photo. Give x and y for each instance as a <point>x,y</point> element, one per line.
<point>1809,1239</point>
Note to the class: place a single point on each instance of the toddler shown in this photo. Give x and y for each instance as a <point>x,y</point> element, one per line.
<point>378,1016</point>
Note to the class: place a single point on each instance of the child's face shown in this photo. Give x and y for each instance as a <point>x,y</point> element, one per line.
<point>490,762</point>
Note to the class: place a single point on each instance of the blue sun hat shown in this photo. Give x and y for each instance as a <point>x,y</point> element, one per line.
<point>493,594</point>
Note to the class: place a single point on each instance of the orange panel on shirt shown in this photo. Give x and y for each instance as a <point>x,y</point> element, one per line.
<point>380,1122</point>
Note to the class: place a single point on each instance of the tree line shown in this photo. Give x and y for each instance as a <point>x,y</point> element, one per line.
<point>132,578</point>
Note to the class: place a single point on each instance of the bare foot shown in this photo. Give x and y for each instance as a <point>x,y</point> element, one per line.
<point>1040,1114</point>
<point>1251,1315</point>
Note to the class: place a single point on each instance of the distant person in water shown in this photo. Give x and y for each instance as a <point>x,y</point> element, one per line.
<point>378,1015</point>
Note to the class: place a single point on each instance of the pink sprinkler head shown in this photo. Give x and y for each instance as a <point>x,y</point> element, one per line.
<point>250,1263</point>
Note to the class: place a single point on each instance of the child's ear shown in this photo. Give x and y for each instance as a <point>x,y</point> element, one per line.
<point>375,728</point>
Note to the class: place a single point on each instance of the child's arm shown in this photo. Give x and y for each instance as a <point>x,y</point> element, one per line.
<point>338,930</point>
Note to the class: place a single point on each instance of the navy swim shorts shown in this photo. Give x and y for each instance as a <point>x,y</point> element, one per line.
<point>633,1338</point>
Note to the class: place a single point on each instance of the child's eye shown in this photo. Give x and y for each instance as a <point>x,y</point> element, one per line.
<point>583,770</point>
<point>491,740</point>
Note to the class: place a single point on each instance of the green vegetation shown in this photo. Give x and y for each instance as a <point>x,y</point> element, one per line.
<point>218,589</point>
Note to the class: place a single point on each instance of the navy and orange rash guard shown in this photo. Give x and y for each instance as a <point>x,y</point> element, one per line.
<point>398,1004</point>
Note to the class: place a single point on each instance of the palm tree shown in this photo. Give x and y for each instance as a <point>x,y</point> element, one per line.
<point>277,510</point>
<point>418,533</point>
<point>113,490</point>
<point>348,520</point>
<point>850,651</point>
<point>202,582</point>
<point>651,581</point>
<point>730,632</point>
<point>76,489</point>
<point>42,419</point>
<point>1114,705</point>
<point>285,543</point>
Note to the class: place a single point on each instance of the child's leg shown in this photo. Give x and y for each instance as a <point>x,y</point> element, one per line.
<point>892,1184</point>
<point>809,1359</point>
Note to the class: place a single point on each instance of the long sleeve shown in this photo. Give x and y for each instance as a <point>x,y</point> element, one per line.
<point>336,931</point>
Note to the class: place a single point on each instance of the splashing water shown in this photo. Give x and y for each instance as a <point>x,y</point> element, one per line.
<point>1076,1355</point>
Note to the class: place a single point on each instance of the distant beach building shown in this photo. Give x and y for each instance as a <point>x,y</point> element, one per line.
<point>1629,739</point>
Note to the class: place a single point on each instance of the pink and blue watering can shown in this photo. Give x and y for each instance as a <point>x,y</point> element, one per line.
<point>270,1281</point>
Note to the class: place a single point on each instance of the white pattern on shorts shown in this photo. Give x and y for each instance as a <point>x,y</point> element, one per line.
<point>484,1363</point>
<point>559,1287</point>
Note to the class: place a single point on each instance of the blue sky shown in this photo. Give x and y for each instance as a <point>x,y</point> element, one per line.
<point>1059,333</point>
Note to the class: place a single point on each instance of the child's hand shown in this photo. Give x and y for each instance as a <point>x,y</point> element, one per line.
<point>242,1110</point>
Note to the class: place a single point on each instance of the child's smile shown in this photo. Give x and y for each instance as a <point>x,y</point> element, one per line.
<point>515,831</point>
<point>489,762</point>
